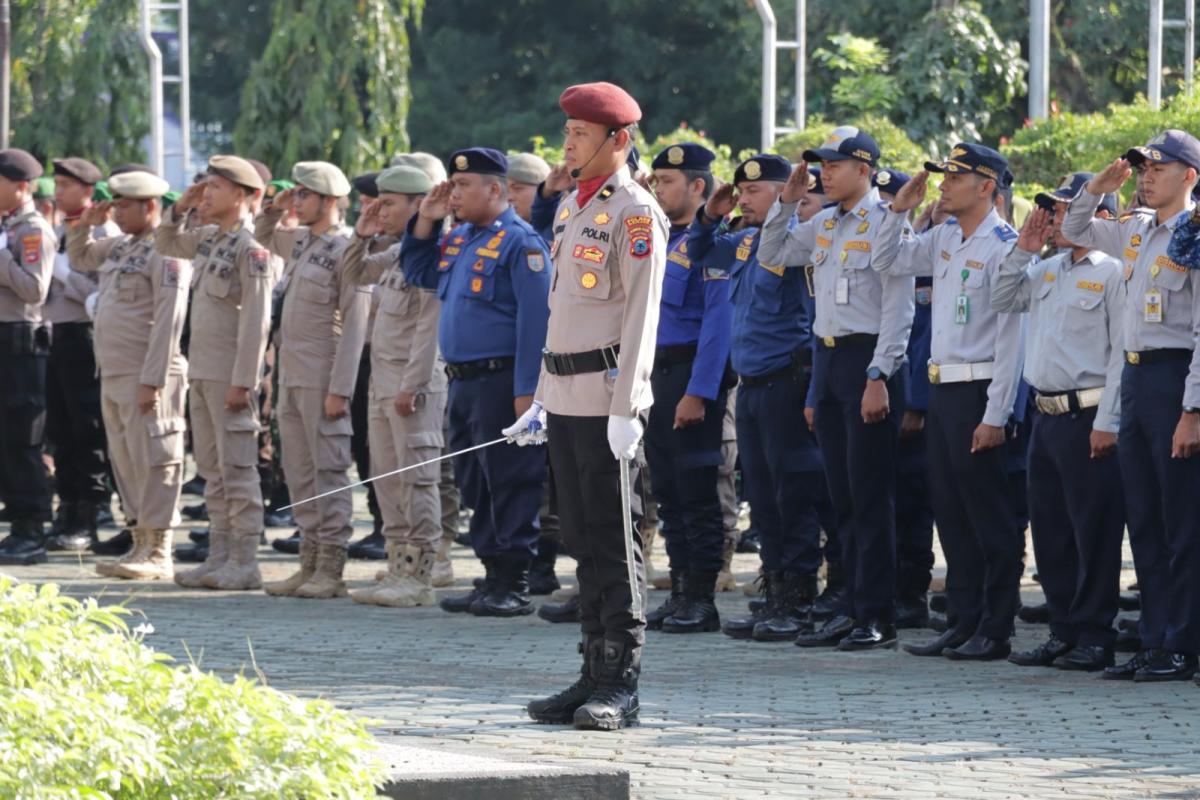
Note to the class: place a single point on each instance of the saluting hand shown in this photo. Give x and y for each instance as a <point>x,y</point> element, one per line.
<point>436,205</point>
<point>796,187</point>
<point>913,193</point>
<point>1036,231</point>
<point>559,180</point>
<point>284,201</point>
<point>96,214</point>
<point>368,224</point>
<point>190,198</point>
<point>722,202</point>
<point>1111,178</point>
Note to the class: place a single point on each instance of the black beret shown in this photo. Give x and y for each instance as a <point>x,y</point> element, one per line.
<point>365,184</point>
<point>80,169</point>
<point>18,165</point>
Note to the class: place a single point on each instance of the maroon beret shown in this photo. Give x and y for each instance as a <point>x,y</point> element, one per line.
<point>602,103</point>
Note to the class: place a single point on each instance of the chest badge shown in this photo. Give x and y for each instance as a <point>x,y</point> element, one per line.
<point>588,280</point>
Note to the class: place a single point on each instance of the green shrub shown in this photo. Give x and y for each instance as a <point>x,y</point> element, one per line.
<point>896,150</point>
<point>88,711</point>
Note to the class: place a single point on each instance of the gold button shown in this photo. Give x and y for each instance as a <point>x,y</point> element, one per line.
<point>1132,358</point>
<point>829,341</point>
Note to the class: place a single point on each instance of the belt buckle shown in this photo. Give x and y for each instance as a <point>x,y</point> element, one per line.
<point>608,357</point>
<point>1133,358</point>
<point>829,341</point>
<point>935,373</point>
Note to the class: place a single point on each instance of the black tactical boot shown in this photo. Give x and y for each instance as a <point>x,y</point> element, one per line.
<point>461,603</point>
<point>369,548</point>
<point>77,531</point>
<point>24,546</point>
<point>829,602</point>
<point>614,703</point>
<point>559,709</point>
<point>697,613</point>
<point>795,596</point>
<point>566,611</point>
<point>654,619</point>
<point>118,545</point>
<point>542,579</point>
<point>509,596</point>
<point>743,627</point>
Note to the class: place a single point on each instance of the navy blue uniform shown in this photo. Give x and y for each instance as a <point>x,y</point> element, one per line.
<point>771,350</point>
<point>694,329</point>
<point>493,282</point>
<point>914,510</point>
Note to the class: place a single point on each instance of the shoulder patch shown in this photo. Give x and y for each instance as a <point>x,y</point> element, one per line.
<point>536,260</point>
<point>639,228</point>
<point>1005,233</point>
<point>172,268</point>
<point>260,261</point>
<point>31,248</point>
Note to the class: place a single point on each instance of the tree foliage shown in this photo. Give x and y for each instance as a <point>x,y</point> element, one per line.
<point>332,84</point>
<point>79,80</point>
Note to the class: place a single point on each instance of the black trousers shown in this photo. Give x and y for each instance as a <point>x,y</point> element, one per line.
<point>1078,518</point>
<point>973,506</point>
<point>683,473</point>
<point>23,480</point>
<point>860,467</point>
<point>74,427</point>
<point>588,491</point>
<point>358,419</point>
<point>914,517</point>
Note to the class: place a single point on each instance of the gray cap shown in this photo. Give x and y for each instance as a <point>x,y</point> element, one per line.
<point>428,163</point>
<point>238,170</point>
<point>403,179</point>
<point>138,185</point>
<point>321,177</point>
<point>527,168</point>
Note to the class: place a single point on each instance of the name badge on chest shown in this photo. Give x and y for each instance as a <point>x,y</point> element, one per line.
<point>1153,310</point>
<point>841,291</point>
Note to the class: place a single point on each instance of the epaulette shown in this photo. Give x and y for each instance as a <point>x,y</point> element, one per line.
<point>1005,232</point>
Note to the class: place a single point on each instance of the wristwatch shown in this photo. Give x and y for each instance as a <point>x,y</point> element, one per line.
<point>1191,410</point>
<point>875,374</point>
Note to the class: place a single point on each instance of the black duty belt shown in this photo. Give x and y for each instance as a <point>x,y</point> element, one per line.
<point>465,370</point>
<point>600,360</point>
<point>673,354</point>
<point>850,340</point>
<point>1147,357</point>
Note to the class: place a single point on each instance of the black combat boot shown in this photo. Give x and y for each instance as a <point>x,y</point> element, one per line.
<point>794,599</point>
<point>829,602</point>
<point>118,545</point>
<point>698,612</point>
<point>542,579</point>
<point>654,619</point>
<point>461,603</point>
<point>743,627</point>
<point>509,595</point>
<point>559,709</point>
<point>614,703</point>
<point>566,611</point>
<point>369,548</point>
<point>76,532</point>
<point>25,545</point>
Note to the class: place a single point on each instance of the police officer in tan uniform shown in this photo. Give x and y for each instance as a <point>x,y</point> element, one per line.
<point>27,246</point>
<point>610,254</point>
<point>74,427</point>
<point>407,394</point>
<point>323,326</point>
<point>139,317</point>
<point>230,321</point>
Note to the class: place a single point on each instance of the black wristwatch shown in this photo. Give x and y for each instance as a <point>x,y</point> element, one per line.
<point>1191,410</point>
<point>876,374</point>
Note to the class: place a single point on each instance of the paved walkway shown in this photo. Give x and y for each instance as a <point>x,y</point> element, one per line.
<point>719,718</point>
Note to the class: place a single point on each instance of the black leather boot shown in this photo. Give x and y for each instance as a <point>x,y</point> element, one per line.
<point>560,708</point>
<point>77,533</point>
<point>370,547</point>
<point>795,596</point>
<point>566,611</point>
<point>912,596</point>
<point>698,612</point>
<point>828,603</point>
<point>509,596</point>
<point>654,619</point>
<point>24,545</point>
<point>614,703</point>
<point>118,545</point>
<point>461,603</point>
<point>542,579</point>
<point>760,610</point>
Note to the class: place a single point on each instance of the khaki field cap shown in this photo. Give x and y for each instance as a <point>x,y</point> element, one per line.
<point>321,177</point>
<point>403,179</point>
<point>527,168</point>
<point>428,163</point>
<point>138,185</point>
<point>238,170</point>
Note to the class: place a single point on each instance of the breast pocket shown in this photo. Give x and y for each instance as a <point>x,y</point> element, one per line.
<point>767,292</point>
<point>396,301</point>
<point>481,280</point>
<point>1084,315</point>
<point>132,286</point>
<point>1169,281</point>
<point>588,274</point>
<point>313,286</point>
<point>675,284</point>
<point>218,282</point>
<point>975,281</point>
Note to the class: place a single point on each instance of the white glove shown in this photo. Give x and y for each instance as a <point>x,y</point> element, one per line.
<point>3,238</point>
<point>530,428</point>
<point>90,303</point>
<point>624,433</point>
<point>62,267</point>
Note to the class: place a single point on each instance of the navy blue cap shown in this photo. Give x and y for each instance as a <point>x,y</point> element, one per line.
<point>1168,146</point>
<point>814,181</point>
<point>763,167</point>
<point>687,155</point>
<point>977,159</point>
<point>890,180</point>
<point>633,160</point>
<point>18,165</point>
<point>845,142</point>
<point>365,184</point>
<point>479,160</point>
<point>1069,188</point>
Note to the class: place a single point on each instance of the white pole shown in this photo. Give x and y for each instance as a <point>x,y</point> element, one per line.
<point>1154,78</point>
<point>768,72</point>
<point>185,92</point>
<point>156,93</point>
<point>801,55</point>
<point>1039,59</point>
<point>1189,44</point>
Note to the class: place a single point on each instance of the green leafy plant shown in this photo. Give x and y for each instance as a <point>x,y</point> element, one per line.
<point>863,85</point>
<point>87,710</point>
<point>895,148</point>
